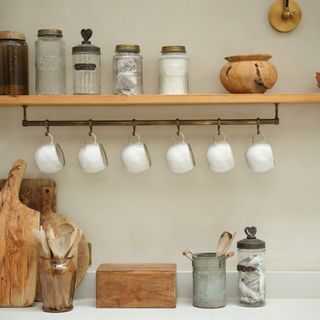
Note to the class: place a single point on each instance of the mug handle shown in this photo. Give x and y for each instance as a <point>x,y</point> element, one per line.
<point>137,135</point>
<point>221,134</point>
<point>258,135</point>
<point>181,135</point>
<point>51,137</point>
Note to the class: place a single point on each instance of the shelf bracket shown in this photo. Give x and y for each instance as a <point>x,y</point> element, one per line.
<point>170,122</point>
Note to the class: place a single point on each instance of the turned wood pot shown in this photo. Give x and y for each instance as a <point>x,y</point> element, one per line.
<point>248,73</point>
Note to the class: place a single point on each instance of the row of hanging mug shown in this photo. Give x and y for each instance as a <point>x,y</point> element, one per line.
<point>135,156</point>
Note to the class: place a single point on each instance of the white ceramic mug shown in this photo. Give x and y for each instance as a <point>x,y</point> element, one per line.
<point>220,157</point>
<point>180,157</point>
<point>260,156</point>
<point>49,157</point>
<point>135,156</point>
<point>92,156</point>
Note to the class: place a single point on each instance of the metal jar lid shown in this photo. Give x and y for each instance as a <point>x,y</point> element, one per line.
<point>7,35</point>
<point>50,32</point>
<point>251,242</point>
<point>86,46</point>
<point>128,48</point>
<point>173,49</point>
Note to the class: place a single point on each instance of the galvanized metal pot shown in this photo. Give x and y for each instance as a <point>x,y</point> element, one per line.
<point>209,279</point>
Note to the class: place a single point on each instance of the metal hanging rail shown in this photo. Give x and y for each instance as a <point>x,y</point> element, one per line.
<point>173,122</point>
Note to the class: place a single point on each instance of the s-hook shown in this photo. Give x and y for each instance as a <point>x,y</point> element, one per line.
<point>258,126</point>
<point>178,126</point>
<point>133,127</point>
<point>218,126</point>
<point>47,125</point>
<point>90,127</point>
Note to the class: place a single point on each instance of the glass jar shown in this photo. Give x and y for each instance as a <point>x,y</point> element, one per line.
<point>50,62</point>
<point>14,67</point>
<point>174,74</point>
<point>127,70</point>
<point>86,66</point>
<point>252,270</point>
<point>57,280</point>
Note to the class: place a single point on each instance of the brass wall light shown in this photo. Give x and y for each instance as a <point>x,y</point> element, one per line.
<point>285,15</point>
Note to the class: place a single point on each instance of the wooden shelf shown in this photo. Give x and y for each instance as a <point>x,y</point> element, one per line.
<point>152,100</point>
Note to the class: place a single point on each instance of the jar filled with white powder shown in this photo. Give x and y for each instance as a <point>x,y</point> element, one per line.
<point>174,75</point>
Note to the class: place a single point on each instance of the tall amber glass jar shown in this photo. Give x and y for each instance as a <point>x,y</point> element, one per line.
<point>14,75</point>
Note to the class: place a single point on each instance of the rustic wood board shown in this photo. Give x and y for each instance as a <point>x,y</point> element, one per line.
<point>136,286</point>
<point>31,192</point>
<point>18,244</point>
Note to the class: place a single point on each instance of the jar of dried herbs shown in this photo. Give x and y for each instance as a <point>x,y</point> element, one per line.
<point>14,69</point>
<point>127,70</point>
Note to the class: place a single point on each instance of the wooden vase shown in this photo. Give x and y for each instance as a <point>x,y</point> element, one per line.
<point>248,73</point>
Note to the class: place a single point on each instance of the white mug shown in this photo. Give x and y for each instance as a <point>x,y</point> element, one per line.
<point>180,157</point>
<point>49,157</point>
<point>259,156</point>
<point>136,157</point>
<point>92,157</point>
<point>220,157</point>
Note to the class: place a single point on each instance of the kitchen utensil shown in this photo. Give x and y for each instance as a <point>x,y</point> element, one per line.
<point>224,243</point>
<point>19,249</point>
<point>136,286</point>
<point>41,236</point>
<point>62,240</point>
<point>82,255</point>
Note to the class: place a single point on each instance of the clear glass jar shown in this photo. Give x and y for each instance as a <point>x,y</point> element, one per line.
<point>57,280</point>
<point>174,73</point>
<point>127,70</point>
<point>50,62</point>
<point>252,270</point>
<point>86,66</point>
<point>14,65</point>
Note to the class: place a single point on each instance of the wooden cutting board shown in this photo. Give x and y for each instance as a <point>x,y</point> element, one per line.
<point>18,245</point>
<point>40,195</point>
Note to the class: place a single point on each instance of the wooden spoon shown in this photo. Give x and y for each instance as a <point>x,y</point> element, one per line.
<point>61,241</point>
<point>41,236</point>
<point>224,243</point>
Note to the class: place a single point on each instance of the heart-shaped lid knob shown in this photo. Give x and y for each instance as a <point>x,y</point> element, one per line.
<point>86,35</point>
<point>251,242</point>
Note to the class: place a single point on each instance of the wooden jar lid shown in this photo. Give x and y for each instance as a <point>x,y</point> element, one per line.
<point>12,35</point>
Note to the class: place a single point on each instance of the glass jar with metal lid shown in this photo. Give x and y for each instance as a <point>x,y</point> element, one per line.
<point>14,68</point>
<point>50,62</point>
<point>86,66</point>
<point>127,70</point>
<point>174,73</point>
<point>252,270</point>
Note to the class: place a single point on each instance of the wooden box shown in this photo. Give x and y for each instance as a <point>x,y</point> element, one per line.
<point>136,286</point>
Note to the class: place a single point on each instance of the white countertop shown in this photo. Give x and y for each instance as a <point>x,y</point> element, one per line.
<point>276,309</point>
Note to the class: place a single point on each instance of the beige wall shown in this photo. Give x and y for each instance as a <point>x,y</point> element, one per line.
<point>153,216</point>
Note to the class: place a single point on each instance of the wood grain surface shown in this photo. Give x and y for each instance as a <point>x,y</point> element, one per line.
<point>136,286</point>
<point>18,245</point>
